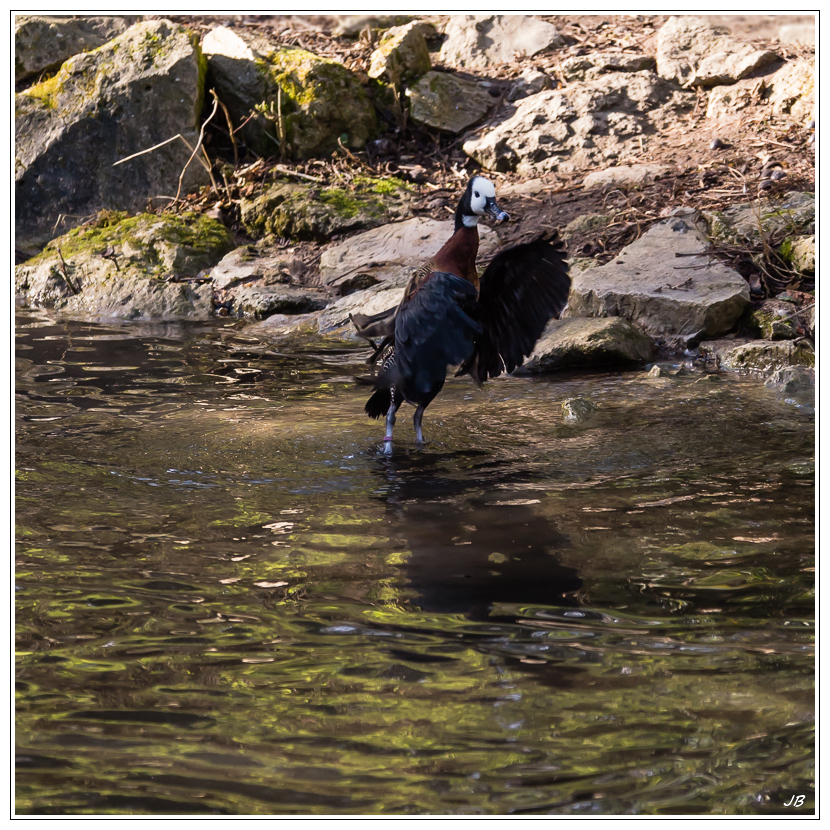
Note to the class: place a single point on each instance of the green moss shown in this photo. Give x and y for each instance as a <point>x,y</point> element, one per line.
<point>197,235</point>
<point>47,92</point>
<point>383,187</point>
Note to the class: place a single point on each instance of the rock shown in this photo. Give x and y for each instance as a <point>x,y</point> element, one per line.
<point>315,213</point>
<point>692,53</point>
<point>587,223</point>
<point>800,253</point>
<point>447,102</point>
<point>775,320</point>
<point>44,43</point>
<point>403,54</point>
<point>763,356</point>
<point>352,25</point>
<point>793,380</point>
<point>260,301</point>
<point>792,89</point>
<point>727,100</point>
<point>626,175</point>
<point>260,262</point>
<point>582,126</point>
<point>140,89</point>
<point>739,225</point>
<point>798,33</point>
<point>334,320</point>
<point>662,294</point>
<point>480,41</point>
<point>591,66</point>
<point>585,341</point>
<point>302,104</point>
<point>530,82</point>
<point>381,252</point>
<point>576,410</point>
<point>137,285</point>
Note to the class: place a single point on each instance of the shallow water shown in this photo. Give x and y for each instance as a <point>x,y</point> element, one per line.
<point>231,601</point>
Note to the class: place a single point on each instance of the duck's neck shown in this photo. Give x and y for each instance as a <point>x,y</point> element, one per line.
<point>458,256</point>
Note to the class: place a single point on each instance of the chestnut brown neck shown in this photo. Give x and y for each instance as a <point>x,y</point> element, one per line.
<point>458,256</point>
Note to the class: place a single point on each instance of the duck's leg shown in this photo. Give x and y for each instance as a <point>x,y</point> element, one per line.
<point>390,419</point>
<point>416,419</point>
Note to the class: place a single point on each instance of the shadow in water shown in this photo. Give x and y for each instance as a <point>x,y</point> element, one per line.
<point>472,542</point>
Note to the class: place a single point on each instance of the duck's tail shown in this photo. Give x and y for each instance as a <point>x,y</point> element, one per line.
<point>378,404</point>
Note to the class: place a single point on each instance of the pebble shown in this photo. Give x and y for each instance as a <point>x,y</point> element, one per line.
<point>717,144</point>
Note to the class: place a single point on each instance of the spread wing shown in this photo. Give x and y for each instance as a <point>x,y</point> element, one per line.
<point>433,330</point>
<point>523,288</point>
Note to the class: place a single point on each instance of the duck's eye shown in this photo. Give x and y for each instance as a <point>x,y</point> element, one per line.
<point>476,194</point>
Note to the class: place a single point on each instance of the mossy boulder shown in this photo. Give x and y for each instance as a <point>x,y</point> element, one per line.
<point>132,93</point>
<point>292,102</point>
<point>131,267</point>
<point>774,320</point>
<point>316,213</point>
<point>800,253</point>
<point>743,225</point>
<point>760,356</point>
<point>402,54</point>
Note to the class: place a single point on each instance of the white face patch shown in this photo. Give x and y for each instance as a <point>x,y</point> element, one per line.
<point>482,189</point>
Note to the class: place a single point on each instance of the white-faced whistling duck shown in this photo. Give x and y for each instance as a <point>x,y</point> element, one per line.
<point>449,317</point>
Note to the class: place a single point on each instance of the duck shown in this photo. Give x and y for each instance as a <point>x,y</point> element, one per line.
<point>449,316</point>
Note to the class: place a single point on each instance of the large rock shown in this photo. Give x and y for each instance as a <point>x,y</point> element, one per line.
<point>254,281</point>
<point>800,252</point>
<point>334,319</point>
<point>134,92</point>
<point>576,342</point>
<point>447,102</point>
<point>479,41</point>
<point>44,43</point>
<point>692,53</point>
<point>760,356</point>
<point>316,213</point>
<point>625,175</point>
<point>290,100</point>
<point>380,253</point>
<point>725,101</point>
<point>792,90</point>
<point>148,271</point>
<point>592,65</point>
<point>403,54</point>
<point>743,225</point>
<point>580,126</point>
<point>679,298</point>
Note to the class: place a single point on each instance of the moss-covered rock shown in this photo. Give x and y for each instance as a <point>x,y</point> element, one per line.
<point>132,267</point>
<point>402,54</point>
<point>800,253</point>
<point>291,101</point>
<point>136,91</point>
<point>303,212</point>
<point>795,214</point>
<point>774,320</point>
<point>761,356</point>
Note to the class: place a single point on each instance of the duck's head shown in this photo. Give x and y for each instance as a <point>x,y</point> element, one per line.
<point>479,199</point>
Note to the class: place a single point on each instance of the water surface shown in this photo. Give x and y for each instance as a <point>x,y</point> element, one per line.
<point>231,601</point>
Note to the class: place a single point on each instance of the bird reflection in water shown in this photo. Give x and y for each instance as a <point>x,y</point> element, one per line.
<point>472,544</point>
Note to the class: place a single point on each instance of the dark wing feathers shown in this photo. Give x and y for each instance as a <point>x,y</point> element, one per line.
<point>521,290</point>
<point>434,329</point>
